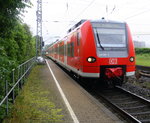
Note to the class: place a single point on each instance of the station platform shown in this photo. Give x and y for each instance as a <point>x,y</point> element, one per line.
<point>78,106</point>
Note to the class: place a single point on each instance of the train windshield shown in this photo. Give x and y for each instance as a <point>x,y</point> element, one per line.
<point>110,39</point>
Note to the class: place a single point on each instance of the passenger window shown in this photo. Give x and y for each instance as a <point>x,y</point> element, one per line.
<point>78,38</point>
<point>70,49</point>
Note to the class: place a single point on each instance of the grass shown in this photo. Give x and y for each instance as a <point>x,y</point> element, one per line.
<point>33,103</point>
<point>146,85</point>
<point>143,59</point>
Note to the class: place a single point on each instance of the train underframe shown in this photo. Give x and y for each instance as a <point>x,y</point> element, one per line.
<point>110,76</point>
<point>113,75</point>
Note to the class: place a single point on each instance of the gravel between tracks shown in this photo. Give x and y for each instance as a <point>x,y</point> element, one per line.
<point>138,87</point>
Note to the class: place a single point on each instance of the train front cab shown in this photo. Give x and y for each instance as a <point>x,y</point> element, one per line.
<point>110,48</point>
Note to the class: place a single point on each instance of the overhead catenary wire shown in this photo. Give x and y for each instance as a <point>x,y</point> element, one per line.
<point>84,10</point>
<point>137,14</point>
<point>67,5</point>
<point>115,8</point>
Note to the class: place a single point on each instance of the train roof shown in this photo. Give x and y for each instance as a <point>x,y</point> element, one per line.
<point>103,20</point>
<point>76,25</point>
<point>92,21</point>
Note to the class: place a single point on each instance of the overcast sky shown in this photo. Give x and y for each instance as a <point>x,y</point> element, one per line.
<point>59,15</point>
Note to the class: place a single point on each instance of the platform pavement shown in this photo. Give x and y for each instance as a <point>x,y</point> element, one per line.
<point>85,109</point>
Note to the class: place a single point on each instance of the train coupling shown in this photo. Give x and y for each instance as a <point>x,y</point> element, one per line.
<point>113,72</point>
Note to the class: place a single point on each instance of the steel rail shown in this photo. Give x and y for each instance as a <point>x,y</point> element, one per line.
<point>144,68</point>
<point>136,96</point>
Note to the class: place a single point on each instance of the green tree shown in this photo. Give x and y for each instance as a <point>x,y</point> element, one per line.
<point>10,11</point>
<point>16,41</point>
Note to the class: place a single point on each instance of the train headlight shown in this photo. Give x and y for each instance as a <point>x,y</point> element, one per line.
<point>131,59</point>
<point>91,59</point>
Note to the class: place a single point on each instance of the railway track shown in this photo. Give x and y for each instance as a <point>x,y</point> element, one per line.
<point>130,106</point>
<point>143,70</point>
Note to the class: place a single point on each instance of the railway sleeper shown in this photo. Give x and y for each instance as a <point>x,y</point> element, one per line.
<point>145,109</point>
<point>121,99</point>
<point>136,107</point>
<point>141,113</point>
<point>145,121</point>
<point>142,116</point>
<point>128,104</point>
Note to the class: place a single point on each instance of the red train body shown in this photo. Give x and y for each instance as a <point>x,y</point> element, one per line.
<point>96,49</point>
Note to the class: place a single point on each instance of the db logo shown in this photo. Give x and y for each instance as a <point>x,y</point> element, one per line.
<point>113,61</point>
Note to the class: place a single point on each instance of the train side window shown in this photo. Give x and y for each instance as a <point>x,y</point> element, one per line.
<point>61,50</point>
<point>65,50</point>
<point>57,50</point>
<point>70,49</point>
<point>54,50</point>
<point>78,38</point>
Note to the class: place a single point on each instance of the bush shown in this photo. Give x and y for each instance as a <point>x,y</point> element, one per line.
<point>16,41</point>
<point>142,51</point>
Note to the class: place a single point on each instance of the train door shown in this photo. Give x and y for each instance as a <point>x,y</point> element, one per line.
<point>65,51</point>
<point>78,50</point>
<point>57,51</point>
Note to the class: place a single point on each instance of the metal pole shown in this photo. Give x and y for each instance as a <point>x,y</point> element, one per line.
<point>13,92</point>
<point>23,73</point>
<point>39,28</point>
<point>6,91</point>
<point>18,77</point>
<point>21,76</point>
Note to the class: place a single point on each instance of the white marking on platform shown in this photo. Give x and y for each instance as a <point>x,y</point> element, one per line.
<point>74,117</point>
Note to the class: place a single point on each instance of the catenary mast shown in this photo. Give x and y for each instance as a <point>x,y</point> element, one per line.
<point>39,38</point>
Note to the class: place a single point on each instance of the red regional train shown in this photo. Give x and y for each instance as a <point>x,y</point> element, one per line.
<point>97,50</point>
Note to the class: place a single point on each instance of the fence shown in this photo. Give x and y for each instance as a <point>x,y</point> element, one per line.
<point>18,78</point>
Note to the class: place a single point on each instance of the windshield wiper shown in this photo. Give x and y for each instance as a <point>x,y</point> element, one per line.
<point>99,41</point>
